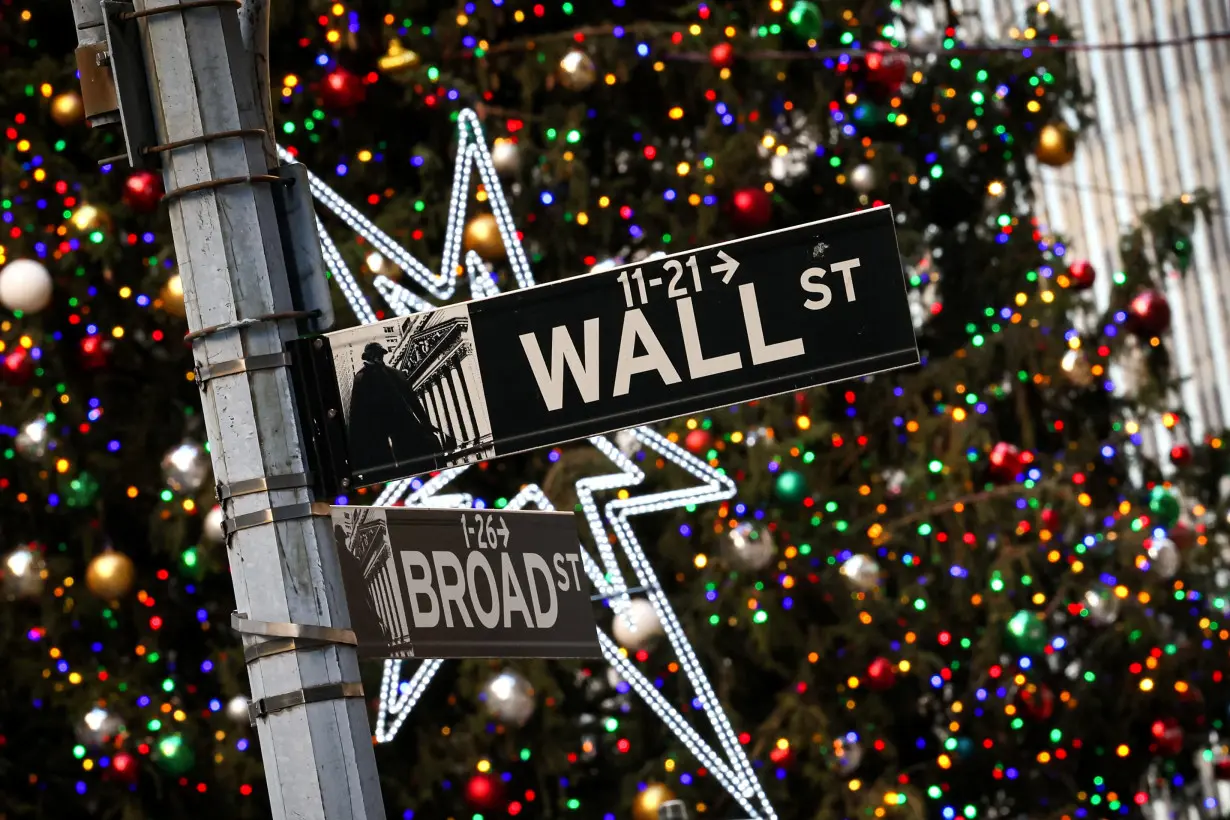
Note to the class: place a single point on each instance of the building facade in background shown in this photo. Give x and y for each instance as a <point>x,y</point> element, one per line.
<point>1162,129</point>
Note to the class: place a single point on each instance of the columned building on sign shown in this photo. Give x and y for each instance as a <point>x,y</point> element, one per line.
<point>370,544</point>
<point>443,370</point>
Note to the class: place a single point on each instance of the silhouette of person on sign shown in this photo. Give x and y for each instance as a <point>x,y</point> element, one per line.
<point>388,426</point>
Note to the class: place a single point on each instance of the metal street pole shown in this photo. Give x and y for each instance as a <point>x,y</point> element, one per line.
<point>308,705</point>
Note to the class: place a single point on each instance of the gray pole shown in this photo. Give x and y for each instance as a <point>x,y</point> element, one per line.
<point>318,756</point>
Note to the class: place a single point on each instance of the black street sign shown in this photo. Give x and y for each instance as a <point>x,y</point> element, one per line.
<point>652,340</point>
<point>425,583</point>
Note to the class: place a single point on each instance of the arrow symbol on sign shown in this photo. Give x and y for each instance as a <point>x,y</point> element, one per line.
<point>726,267</point>
<point>503,531</point>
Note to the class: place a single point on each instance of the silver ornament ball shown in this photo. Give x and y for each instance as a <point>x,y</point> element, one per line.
<point>1102,604</point>
<point>25,285</point>
<point>22,574</point>
<point>33,440</point>
<point>862,572</point>
<point>97,727</point>
<point>237,710</point>
<point>638,626</point>
<point>185,467</point>
<point>847,756</point>
<point>748,547</point>
<point>211,527</point>
<point>1164,557</point>
<point>863,178</point>
<point>509,698</point>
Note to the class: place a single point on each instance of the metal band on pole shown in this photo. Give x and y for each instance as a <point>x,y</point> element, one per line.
<point>205,372</point>
<point>184,6</point>
<point>263,484</point>
<point>263,707</point>
<point>312,509</point>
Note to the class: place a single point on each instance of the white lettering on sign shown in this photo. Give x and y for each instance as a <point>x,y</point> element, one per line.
<point>629,363</point>
<point>440,588</point>
<point>564,353</point>
<point>641,351</point>
<point>810,282</point>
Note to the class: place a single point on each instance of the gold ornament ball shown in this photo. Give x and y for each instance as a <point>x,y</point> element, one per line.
<point>482,234</point>
<point>172,297</point>
<point>110,575</point>
<point>645,806</point>
<point>67,108</point>
<point>577,71</point>
<point>1056,145</point>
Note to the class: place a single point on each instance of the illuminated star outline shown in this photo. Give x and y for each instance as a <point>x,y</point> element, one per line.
<point>398,696</point>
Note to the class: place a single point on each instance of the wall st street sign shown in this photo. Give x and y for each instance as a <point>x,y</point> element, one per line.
<point>703,328</point>
<point>425,583</point>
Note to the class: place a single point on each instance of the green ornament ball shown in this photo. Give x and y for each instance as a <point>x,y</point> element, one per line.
<point>790,486</point>
<point>1165,506</point>
<point>805,17</point>
<point>1026,633</point>
<point>173,755</point>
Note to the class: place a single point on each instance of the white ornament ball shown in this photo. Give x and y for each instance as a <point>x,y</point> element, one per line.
<point>1164,557</point>
<point>21,574</point>
<point>638,626</point>
<point>505,156</point>
<point>237,710</point>
<point>509,698</point>
<point>1103,606</point>
<point>25,285</point>
<point>748,548</point>
<point>863,178</point>
<point>212,526</point>
<point>862,572</point>
<point>185,467</point>
<point>33,439</point>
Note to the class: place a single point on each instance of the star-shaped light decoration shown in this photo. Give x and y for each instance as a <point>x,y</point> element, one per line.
<point>399,696</point>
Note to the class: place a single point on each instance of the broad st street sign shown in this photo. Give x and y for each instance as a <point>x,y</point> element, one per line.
<point>685,333</point>
<point>426,583</point>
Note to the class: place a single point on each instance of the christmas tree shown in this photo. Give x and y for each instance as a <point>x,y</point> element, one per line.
<point>966,588</point>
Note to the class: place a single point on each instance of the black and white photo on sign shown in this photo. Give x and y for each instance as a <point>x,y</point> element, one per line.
<point>369,575</point>
<point>412,392</point>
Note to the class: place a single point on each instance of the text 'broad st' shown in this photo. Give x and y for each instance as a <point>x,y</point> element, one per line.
<point>465,583</point>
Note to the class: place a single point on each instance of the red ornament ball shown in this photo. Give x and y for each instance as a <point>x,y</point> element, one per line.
<point>341,90</point>
<point>1006,462</point>
<point>124,767</point>
<point>1037,701</point>
<point>751,208</point>
<point>483,791</point>
<point>1221,769</point>
<point>886,67</point>
<point>722,55</point>
<point>1050,519</point>
<point>1081,275</point>
<point>1167,736</point>
<point>18,367</point>
<point>95,352</point>
<point>1181,455</point>
<point>697,441</point>
<point>143,191</point>
<point>881,674</point>
<point>1149,313</point>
